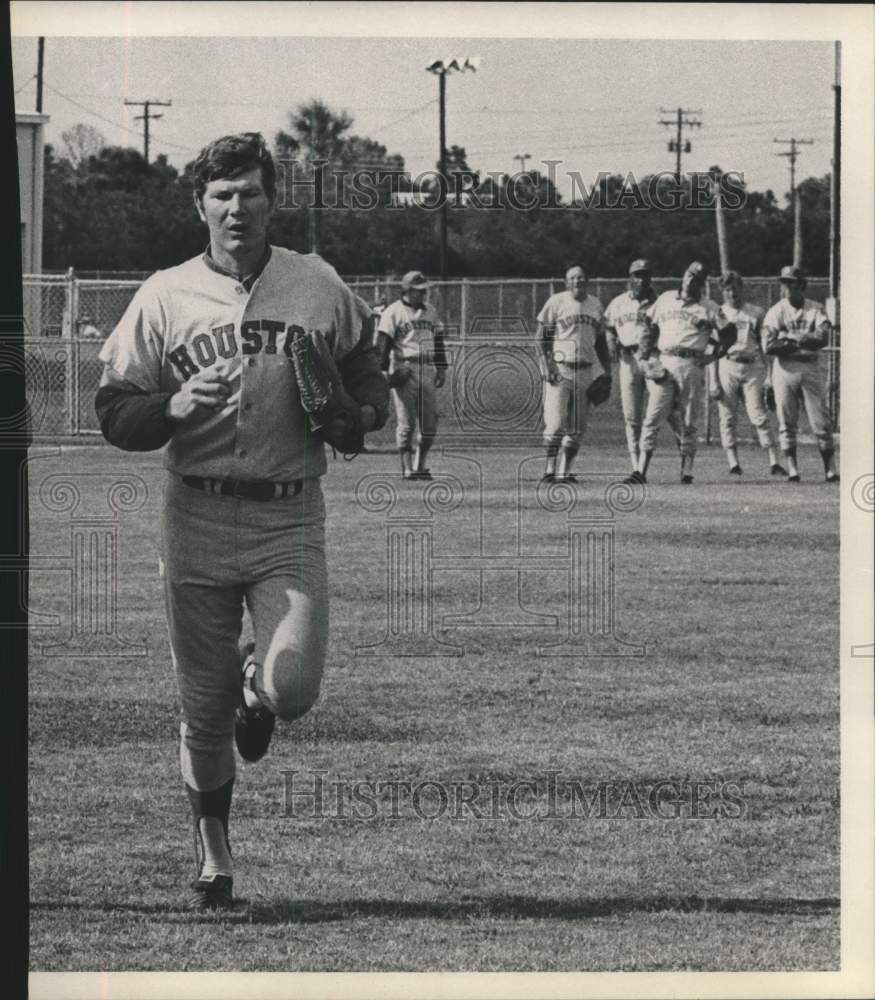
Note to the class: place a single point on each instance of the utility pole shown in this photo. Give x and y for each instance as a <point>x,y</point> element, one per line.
<point>145,117</point>
<point>522,157</point>
<point>793,154</point>
<point>441,69</point>
<point>40,55</point>
<point>677,145</point>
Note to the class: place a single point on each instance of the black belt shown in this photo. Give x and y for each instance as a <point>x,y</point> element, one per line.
<point>245,489</point>
<point>629,350</point>
<point>576,364</point>
<point>742,359</point>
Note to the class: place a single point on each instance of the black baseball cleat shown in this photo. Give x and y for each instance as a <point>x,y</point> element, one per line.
<point>735,470</point>
<point>778,470</point>
<point>253,727</point>
<point>214,892</point>
<point>635,477</point>
<point>422,474</point>
<point>793,479</point>
<point>569,477</point>
<point>686,480</point>
<point>548,477</point>
<point>832,478</point>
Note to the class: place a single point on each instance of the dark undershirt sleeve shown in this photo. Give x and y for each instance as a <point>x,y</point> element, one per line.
<point>132,419</point>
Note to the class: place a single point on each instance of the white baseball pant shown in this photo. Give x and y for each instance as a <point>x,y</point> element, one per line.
<point>566,407</point>
<point>219,553</point>
<point>742,379</point>
<point>795,382</point>
<point>681,390</point>
<point>415,408</point>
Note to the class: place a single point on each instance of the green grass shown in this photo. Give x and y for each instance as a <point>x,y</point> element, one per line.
<point>731,586</point>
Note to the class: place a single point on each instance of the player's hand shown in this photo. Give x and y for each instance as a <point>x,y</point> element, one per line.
<point>204,391</point>
<point>553,376</point>
<point>715,391</point>
<point>439,378</point>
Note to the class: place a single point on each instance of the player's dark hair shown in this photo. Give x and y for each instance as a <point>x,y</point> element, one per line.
<point>232,155</point>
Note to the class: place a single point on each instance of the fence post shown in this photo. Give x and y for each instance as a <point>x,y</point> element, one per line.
<point>464,307</point>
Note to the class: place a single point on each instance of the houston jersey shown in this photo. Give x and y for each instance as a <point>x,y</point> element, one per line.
<point>574,325</point>
<point>683,323</point>
<point>626,315</point>
<point>747,319</point>
<point>784,320</point>
<point>190,319</point>
<point>412,331</point>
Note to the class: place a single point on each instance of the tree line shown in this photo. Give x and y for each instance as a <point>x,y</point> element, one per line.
<point>106,208</point>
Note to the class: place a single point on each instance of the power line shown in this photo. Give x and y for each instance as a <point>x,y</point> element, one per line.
<point>115,124</point>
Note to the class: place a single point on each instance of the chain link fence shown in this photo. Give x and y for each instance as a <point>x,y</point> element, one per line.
<point>67,318</point>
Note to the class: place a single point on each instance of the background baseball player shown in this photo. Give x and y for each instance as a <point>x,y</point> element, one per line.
<point>411,345</point>
<point>742,373</point>
<point>200,361</point>
<point>796,328</point>
<point>573,353</point>
<point>625,321</point>
<point>684,326</point>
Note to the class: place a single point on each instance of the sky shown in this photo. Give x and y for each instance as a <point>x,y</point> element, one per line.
<point>593,104</point>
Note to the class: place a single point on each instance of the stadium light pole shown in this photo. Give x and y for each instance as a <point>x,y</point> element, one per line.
<point>442,67</point>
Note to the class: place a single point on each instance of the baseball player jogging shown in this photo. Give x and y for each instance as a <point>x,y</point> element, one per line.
<point>795,329</point>
<point>689,331</point>
<point>575,367</point>
<point>625,322</point>
<point>742,373</point>
<point>411,345</point>
<point>212,358</point>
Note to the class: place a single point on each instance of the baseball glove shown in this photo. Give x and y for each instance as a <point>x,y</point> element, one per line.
<point>331,411</point>
<point>599,390</point>
<point>769,398</point>
<point>652,368</point>
<point>783,347</point>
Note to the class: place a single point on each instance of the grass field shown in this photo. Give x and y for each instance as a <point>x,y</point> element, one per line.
<point>732,587</point>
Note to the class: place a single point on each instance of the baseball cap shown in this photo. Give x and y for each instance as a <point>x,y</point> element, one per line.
<point>730,278</point>
<point>697,269</point>
<point>792,273</point>
<point>640,265</point>
<point>414,279</point>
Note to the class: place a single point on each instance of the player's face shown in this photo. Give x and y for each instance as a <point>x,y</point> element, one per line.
<point>692,287</point>
<point>794,291</point>
<point>575,282</point>
<point>415,296</point>
<point>732,296</point>
<point>639,284</point>
<point>237,211</point>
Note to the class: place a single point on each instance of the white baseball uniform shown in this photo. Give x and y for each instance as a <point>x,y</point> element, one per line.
<point>575,326</point>
<point>684,334</point>
<point>625,315</point>
<point>221,551</point>
<point>413,332</point>
<point>741,374</point>
<point>798,378</point>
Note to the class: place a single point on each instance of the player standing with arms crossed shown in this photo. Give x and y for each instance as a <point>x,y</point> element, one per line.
<point>201,362</point>
<point>796,329</point>
<point>571,345</point>
<point>411,346</point>
<point>742,372</point>
<point>684,325</point>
